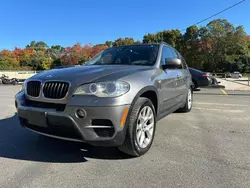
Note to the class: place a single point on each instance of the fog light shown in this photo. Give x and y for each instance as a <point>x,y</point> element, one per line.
<point>80,113</point>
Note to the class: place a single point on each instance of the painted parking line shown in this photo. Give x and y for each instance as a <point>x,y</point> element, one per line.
<point>219,110</point>
<point>220,104</point>
<point>223,91</point>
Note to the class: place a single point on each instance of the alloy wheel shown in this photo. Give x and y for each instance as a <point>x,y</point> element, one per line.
<point>145,127</point>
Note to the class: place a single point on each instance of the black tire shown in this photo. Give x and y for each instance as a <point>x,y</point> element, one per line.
<point>186,107</point>
<point>214,81</point>
<point>14,82</point>
<point>130,145</point>
<point>4,82</point>
<point>195,84</point>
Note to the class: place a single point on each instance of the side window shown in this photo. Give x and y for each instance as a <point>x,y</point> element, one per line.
<point>184,64</point>
<point>178,55</point>
<point>166,53</point>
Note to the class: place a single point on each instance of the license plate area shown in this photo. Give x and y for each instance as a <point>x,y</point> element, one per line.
<point>37,118</point>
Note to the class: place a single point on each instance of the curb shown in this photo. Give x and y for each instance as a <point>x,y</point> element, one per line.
<point>236,82</point>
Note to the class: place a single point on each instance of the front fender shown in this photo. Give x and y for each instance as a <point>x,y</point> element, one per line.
<point>145,89</point>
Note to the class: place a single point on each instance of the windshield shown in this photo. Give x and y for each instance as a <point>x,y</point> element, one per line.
<point>127,55</point>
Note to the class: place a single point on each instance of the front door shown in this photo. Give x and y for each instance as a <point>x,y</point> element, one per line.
<point>168,83</point>
<point>181,79</point>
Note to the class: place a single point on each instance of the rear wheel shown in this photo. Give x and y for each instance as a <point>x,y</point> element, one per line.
<point>14,82</point>
<point>195,84</point>
<point>141,128</point>
<point>188,103</point>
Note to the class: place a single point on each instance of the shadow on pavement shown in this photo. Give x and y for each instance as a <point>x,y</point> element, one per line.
<point>21,144</point>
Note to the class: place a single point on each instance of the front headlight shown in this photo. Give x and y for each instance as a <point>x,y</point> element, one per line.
<point>103,89</point>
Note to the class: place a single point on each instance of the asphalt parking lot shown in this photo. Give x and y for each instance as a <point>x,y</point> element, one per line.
<point>208,147</point>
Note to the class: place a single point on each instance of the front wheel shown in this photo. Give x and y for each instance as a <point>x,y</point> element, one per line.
<point>188,103</point>
<point>4,82</point>
<point>141,128</point>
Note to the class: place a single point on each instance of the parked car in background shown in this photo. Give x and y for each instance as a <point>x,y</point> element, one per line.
<point>6,80</point>
<point>214,81</point>
<point>236,75</point>
<point>200,79</point>
<point>228,75</point>
<point>13,81</point>
<point>114,100</point>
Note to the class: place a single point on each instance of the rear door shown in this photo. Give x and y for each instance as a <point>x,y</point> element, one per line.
<point>168,82</point>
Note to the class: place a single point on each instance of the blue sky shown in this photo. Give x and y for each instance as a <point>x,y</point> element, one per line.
<point>67,22</point>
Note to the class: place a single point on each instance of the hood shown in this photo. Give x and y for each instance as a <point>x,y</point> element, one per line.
<point>85,74</point>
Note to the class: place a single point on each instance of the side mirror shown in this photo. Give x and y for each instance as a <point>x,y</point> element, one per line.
<point>172,63</point>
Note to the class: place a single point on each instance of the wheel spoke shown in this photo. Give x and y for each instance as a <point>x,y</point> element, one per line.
<point>149,134</point>
<point>139,127</point>
<point>150,126</point>
<point>146,141</point>
<point>141,119</point>
<point>142,137</point>
<point>151,116</point>
<point>148,112</point>
<point>145,112</point>
<point>139,134</point>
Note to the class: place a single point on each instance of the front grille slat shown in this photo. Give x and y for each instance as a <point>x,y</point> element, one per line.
<point>33,91</point>
<point>30,91</point>
<point>36,90</point>
<point>61,90</point>
<point>45,87</point>
<point>33,88</point>
<point>50,90</point>
<point>50,87</point>
<point>55,89</point>
<point>65,89</point>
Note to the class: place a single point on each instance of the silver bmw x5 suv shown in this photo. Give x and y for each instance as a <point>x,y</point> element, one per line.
<point>115,99</point>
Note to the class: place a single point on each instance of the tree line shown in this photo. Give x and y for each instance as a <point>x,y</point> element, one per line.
<point>217,47</point>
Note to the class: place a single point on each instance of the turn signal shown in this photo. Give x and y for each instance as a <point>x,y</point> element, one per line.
<point>124,116</point>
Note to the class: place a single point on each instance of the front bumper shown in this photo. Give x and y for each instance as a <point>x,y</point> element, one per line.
<point>101,125</point>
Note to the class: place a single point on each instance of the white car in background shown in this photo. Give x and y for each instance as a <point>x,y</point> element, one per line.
<point>236,75</point>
